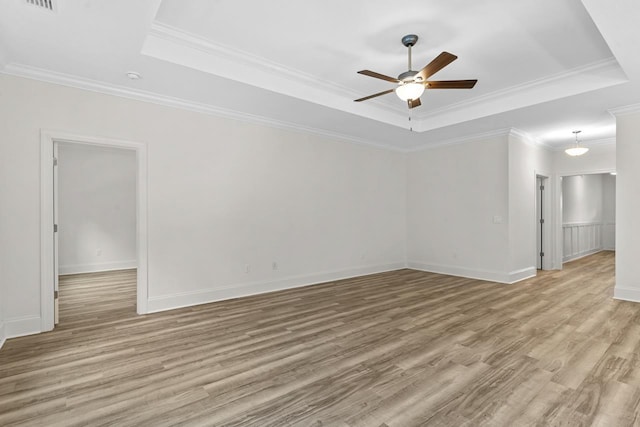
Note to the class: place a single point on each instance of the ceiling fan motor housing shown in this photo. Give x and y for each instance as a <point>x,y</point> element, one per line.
<point>409,76</point>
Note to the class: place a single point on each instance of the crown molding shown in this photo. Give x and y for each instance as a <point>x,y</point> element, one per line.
<point>601,66</point>
<point>589,77</point>
<point>461,140</point>
<point>25,71</point>
<point>175,45</point>
<point>211,57</point>
<point>624,110</point>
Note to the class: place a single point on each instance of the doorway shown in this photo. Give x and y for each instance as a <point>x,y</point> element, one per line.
<point>588,214</point>
<point>50,256</point>
<point>94,221</point>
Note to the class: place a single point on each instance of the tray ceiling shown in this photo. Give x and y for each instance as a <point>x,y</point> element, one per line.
<point>543,66</point>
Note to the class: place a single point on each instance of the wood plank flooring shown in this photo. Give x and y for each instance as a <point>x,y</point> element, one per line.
<point>404,348</point>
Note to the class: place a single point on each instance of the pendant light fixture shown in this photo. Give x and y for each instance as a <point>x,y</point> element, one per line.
<point>576,150</point>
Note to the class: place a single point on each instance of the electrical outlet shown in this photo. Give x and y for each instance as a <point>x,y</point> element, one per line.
<point>274,265</point>
<point>247,268</point>
<point>98,252</point>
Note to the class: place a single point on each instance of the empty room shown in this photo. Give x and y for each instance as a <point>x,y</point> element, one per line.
<point>358,213</point>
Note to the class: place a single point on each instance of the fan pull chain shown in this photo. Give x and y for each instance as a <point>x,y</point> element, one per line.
<point>410,125</point>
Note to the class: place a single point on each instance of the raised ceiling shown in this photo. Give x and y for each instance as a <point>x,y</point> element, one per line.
<point>544,67</point>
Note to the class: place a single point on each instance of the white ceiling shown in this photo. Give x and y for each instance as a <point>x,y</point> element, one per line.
<point>544,67</point>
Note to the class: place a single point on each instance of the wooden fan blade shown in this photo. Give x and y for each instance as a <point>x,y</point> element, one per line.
<point>379,76</point>
<point>441,61</point>
<point>412,103</point>
<point>451,84</point>
<point>374,95</point>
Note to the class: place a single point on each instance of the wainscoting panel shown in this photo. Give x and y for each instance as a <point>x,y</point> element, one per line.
<point>581,239</point>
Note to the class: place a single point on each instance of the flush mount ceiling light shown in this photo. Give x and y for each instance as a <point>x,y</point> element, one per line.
<point>133,75</point>
<point>576,150</point>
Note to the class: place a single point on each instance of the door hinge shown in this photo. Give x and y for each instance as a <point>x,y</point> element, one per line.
<point>55,228</point>
<point>541,253</point>
<point>541,187</point>
<point>55,294</point>
<point>55,161</point>
<point>541,220</point>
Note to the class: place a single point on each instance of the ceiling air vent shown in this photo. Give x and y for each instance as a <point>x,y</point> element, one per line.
<point>43,4</point>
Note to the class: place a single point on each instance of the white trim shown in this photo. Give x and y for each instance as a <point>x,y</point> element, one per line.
<point>21,326</point>
<point>603,65</point>
<point>624,110</point>
<point>98,267</point>
<point>581,255</point>
<point>204,296</point>
<point>488,275</point>
<point>47,139</point>
<point>564,174</point>
<point>77,82</point>
<point>250,61</point>
<point>3,335</point>
<point>626,294</point>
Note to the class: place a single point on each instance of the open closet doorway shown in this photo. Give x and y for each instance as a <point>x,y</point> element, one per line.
<point>95,217</point>
<point>91,243</point>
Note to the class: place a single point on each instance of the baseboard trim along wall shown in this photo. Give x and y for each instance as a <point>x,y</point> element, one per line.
<point>491,276</point>
<point>626,294</point>
<point>186,299</point>
<point>22,326</point>
<point>582,255</point>
<point>97,267</point>
<point>3,336</point>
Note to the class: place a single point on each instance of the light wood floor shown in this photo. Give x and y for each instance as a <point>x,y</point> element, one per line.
<point>404,348</point>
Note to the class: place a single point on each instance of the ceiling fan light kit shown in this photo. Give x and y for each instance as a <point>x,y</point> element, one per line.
<point>576,150</point>
<point>412,84</point>
<point>407,91</point>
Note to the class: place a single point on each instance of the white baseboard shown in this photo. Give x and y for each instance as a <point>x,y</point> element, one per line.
<point>204,296</point>
<point>492,276</point>
<point>96,267</point>
<point>626,294</point>
<point>3,336</point>
<point>22,326</point>
<point>581,255</point>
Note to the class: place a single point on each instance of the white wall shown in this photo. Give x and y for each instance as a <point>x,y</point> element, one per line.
<point>588,214</point>
<point>526,160</point>
<point>454,193</point>
<point>628,207</point>
<point>96,208</point>
<point>608,212</point>
<point>582,215</point>
<point>472,208</point>
<point>2,301</point>
<point>222,195</point>
<point>599,159</point>
<point>582,199</point>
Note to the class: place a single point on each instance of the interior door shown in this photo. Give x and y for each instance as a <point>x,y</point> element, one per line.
<point>55,233</point>
<point>539,222</point>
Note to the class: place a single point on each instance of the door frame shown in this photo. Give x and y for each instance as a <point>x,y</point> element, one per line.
<point>558,240</point>
<point>548,214</point>
<point>47,250</point>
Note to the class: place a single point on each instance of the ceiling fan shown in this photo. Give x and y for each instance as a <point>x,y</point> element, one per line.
<point>411,84</point>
